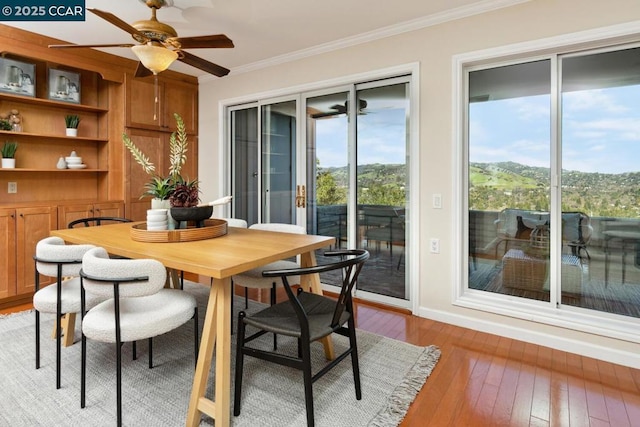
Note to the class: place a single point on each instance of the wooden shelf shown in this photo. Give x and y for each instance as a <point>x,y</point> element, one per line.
<point>51,103</point>
<point>54,170</point>
<point>58,137</point>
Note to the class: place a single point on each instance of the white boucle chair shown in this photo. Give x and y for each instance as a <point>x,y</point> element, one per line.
<point>55,259</point>
<point>253,278</point>
<point>139,307</point>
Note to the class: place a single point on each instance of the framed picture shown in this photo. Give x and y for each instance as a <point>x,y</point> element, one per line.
<point>64,86</point>
<point>17,77</point>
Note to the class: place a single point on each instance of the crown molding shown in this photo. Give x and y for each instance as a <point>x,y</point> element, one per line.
<point>380,33</point>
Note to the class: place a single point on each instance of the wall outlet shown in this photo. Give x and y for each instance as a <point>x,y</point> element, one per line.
<point>437,201</point>
<point>435,246</point>
<point>12,188</point>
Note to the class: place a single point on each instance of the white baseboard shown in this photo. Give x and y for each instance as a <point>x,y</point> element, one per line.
<point>582,348</point>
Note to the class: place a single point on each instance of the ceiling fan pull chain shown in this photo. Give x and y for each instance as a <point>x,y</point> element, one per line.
<point>156,107</point>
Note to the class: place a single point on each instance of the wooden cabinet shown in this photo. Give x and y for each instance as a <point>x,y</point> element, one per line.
<point>173,96</point>
<point>23,228</point>
<point>8,252</point>
<point>68,213</point>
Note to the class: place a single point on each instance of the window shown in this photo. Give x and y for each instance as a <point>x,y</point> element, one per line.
<point>570,119</point>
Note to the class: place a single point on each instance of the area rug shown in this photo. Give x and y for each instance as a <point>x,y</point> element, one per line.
<point>392,373</point>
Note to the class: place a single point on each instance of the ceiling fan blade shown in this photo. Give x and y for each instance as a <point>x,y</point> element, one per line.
<point>113,19</point>
<point>142,71</point>
<point>65,46</point>
<point>325,115</point>
<point>204,65</point>
<point>212,41</point>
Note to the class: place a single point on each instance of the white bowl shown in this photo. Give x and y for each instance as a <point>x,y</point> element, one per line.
<point>159,211</point>
<point>73,160</point>
<point>156,228</point>
<point>157,223</point>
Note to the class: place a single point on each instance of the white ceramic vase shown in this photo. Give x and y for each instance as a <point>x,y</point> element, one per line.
<point>8,163</point>
<point>164,204</point>
<point>72,132</point>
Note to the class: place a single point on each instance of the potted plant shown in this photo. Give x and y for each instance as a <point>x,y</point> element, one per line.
<point>72,121</point>
<point>8,154</point>
<point>5,124</point>
<point>161,187</point>
<point>184,203</point>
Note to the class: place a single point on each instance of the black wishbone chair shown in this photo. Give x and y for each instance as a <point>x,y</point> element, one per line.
<point>307,317</point>
<point>96,220</point>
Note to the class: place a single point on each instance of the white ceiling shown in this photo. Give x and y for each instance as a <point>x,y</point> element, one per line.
<point>263,29</point>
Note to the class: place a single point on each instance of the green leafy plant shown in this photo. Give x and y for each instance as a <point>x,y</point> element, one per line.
<point>5,124</point>
<point>72,121</point>
<point>9,149</point>
<point>162,187</point>
<point>159,188</point>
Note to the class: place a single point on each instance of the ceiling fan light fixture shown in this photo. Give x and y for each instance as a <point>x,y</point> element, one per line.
<point>155,58</point>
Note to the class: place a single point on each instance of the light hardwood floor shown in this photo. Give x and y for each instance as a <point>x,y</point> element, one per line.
<point>486,380</point>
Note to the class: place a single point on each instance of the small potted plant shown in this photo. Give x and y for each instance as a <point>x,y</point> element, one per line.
<point>8,154</point>
<point>72,121</point>
<point>184,203</point>
<point>5,124</point>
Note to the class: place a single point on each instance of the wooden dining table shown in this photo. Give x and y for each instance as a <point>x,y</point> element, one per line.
<point>218,258</point>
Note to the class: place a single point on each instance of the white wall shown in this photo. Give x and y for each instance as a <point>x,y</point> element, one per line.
<point>433,48</point>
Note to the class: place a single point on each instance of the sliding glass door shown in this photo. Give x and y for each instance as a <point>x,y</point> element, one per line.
<point>343,173</point>
<point>357,176</point>
<point>553,181</point>
<point>263,156</point>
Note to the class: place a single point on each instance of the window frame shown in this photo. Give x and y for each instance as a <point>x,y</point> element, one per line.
<point>549,313</point>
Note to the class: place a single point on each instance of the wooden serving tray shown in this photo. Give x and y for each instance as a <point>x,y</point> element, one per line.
<point>213,228</point>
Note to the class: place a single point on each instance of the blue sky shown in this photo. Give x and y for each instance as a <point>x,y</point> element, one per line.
<point>601,130</point>
<point>381,138</point>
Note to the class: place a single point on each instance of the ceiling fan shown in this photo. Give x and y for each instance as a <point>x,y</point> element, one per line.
<point>340,109</point>
<point>159,44</point>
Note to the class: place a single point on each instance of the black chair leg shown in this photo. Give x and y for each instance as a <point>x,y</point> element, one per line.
<point>196,339</point>
<point>150,353</point>
<point>58,348</point>
<point>119,382</point>
<point>37,339</point>
<point>58,325</point>
<point>134,349</point>
<point>273,301</point>
<point>308,382</point>
<point>83,351</point>
<point>246,298</point>
<point>239,364</point>
<point>354,358</point>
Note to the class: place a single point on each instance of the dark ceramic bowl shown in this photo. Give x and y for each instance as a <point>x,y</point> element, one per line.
<point>196,213</point>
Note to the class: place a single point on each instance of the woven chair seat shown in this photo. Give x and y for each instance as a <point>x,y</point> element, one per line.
<point>282,319</point>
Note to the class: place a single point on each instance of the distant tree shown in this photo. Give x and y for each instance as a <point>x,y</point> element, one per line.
<point>327,191</point>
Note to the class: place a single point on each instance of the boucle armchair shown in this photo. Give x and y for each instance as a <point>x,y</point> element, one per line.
<point>139,307</point>
<point>55,259</point>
